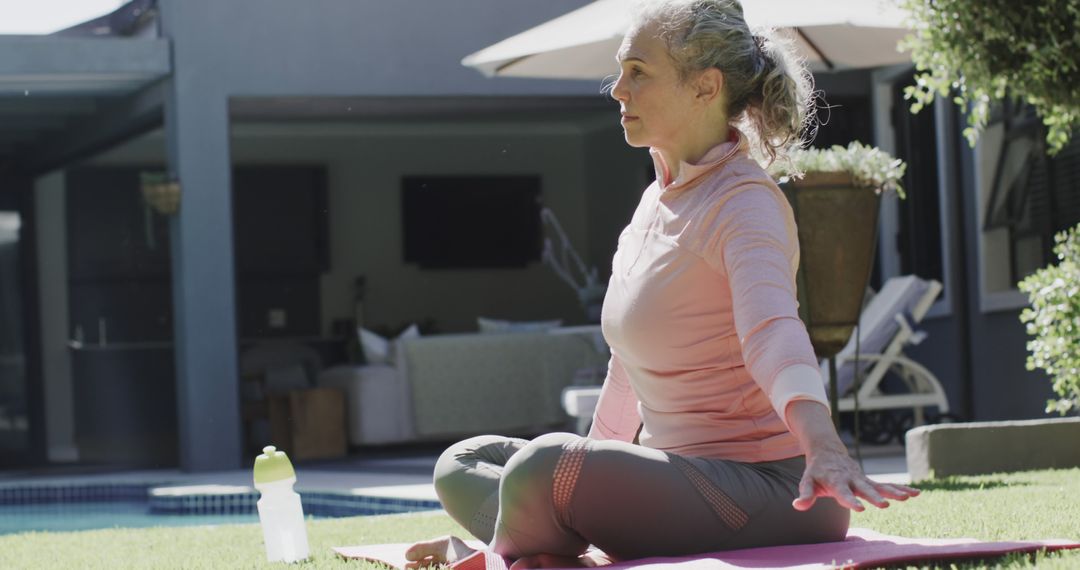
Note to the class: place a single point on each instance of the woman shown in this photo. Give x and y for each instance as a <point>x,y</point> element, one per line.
<point>711,372</point>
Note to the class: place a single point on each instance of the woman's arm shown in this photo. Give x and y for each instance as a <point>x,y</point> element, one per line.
<point>757,246</point>
<point>830,471</point>
<point>616,416</point>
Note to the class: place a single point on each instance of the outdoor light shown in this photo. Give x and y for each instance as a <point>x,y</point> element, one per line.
<point>161,191</point>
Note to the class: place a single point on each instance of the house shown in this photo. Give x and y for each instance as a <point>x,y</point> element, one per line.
<point>128,322</point>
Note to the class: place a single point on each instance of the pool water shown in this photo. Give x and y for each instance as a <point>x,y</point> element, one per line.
<point>102,514</point>
<point>73,508</point>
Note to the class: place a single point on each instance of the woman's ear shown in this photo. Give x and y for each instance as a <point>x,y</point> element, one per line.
<point>710,85</point>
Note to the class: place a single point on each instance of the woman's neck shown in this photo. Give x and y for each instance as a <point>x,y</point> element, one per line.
<point>692,148</point>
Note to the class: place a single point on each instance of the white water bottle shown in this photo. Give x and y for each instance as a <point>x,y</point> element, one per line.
<point>280,512</point>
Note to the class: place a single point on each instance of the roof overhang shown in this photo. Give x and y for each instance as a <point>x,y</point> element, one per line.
<point>55,92</point>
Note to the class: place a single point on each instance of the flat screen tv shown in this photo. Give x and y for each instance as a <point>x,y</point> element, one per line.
<point>471,222</point>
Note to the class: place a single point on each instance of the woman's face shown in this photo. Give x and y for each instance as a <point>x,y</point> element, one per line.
<point>657,108</point>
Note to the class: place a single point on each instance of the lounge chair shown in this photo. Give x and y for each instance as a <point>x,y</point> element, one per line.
<point>887,325</point>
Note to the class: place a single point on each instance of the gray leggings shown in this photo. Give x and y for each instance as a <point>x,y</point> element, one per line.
<point>560,492</point>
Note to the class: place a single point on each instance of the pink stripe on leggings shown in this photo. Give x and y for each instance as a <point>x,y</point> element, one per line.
<point>565,478</point>
<point>720,502</point>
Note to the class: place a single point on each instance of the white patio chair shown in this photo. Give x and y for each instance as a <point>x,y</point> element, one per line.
<point>888,325</point>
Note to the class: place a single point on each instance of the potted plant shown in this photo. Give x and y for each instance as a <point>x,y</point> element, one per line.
<point>835,194</point>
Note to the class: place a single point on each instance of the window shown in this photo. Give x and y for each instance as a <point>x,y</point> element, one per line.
<point>1026,197</point>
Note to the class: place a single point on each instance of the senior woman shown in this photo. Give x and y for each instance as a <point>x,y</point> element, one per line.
<point>712,431</point>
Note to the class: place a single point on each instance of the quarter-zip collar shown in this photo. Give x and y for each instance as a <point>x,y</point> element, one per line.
<point>691,172</point>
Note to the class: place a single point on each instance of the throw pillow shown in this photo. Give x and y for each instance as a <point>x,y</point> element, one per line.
<point>380,350</point>
<point>489,326</point>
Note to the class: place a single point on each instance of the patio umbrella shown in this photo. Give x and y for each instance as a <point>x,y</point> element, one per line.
<point>831,35</point>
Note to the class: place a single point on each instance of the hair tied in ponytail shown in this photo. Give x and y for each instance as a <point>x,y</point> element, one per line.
<point>759,42</point>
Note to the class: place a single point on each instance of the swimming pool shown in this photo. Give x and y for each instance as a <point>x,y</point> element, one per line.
<point>85,507</point>
<point>100,514</point>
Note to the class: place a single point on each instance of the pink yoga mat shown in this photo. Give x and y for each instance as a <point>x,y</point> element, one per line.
<point>862,549</point>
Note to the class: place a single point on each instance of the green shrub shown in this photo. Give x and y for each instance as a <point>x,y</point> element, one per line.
<point>986,50</point>
<point>1054,320</point>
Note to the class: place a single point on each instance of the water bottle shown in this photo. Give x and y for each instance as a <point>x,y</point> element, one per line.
<point>280,512</point>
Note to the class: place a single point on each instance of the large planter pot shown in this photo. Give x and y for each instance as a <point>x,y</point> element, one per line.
<point>837,235</point>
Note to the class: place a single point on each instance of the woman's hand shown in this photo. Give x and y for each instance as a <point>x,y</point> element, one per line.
<point>442,550</point>
<point>830,471</point>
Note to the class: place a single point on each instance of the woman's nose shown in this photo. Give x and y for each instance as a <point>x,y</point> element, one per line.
<point>618,90</point>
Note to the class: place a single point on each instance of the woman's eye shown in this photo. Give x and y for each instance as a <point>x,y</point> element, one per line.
<point>636,71</point>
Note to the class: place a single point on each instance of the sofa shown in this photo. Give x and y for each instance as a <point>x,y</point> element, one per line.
<point>445,387</point>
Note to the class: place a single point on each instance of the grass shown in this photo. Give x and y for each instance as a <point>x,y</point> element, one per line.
<point>1030,505</point>
<point>226,546</point>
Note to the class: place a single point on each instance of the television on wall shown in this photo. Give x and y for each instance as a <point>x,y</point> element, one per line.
<point>471,222</point>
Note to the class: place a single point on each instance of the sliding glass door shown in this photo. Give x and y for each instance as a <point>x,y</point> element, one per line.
<point>19,422</point>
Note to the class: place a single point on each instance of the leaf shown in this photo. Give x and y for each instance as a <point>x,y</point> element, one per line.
<point>1054,294</point>
<point>992,50</point>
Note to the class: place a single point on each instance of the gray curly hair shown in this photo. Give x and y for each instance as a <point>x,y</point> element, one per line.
<point>769,91</point>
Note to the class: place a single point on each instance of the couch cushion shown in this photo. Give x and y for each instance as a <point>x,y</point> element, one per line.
<point>380,350</point>
<point>493,383</point>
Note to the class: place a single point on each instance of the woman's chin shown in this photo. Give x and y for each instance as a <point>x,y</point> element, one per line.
<point>633,139</point>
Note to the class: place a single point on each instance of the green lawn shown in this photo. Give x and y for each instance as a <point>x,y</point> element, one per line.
<point>1039,504</point>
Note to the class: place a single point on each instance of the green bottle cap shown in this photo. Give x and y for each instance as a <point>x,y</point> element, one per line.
<point>272,465</point>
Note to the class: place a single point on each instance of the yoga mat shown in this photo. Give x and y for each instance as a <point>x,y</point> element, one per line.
<point>863,549</point>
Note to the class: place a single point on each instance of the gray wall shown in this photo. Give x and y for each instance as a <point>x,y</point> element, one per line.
<point>940,353</point>
<point>350,47</point>
<point>1004,389</point>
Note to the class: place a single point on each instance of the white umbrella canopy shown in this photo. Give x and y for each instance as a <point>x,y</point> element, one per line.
<point>830,34</point>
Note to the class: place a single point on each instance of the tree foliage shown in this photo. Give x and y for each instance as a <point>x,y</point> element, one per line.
<point>986,50</point>
<point>1054,320</point>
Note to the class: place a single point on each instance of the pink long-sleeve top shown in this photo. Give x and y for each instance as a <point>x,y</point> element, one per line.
<point>702,318</point>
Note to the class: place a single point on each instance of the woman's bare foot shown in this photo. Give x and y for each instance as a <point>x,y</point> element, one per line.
<point>442,550</point>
